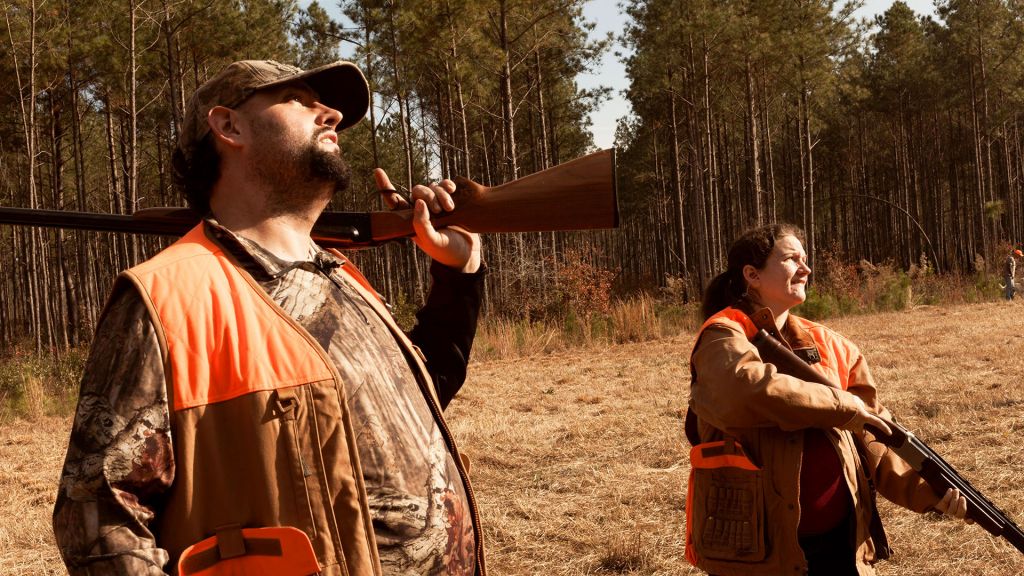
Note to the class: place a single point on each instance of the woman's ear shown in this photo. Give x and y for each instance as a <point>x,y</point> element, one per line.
<point>224,125</point>
<point>751,276</point>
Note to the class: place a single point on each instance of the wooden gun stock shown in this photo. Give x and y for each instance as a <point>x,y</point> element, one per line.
<point>576,195</point>
<point>935,471</point>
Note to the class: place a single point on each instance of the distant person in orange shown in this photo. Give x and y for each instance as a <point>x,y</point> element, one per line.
<point>1009,273</point>
<point>782,472</point>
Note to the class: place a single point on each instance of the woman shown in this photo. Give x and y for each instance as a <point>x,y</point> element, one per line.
<point>779,485</point>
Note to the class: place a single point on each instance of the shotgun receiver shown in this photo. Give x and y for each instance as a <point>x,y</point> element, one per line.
<point>576,195</point>
<point>935,471</point>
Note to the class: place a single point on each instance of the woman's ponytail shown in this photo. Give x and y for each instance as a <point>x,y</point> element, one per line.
<point>721,292</point>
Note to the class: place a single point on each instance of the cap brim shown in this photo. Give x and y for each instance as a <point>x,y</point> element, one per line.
<point>341,85</point>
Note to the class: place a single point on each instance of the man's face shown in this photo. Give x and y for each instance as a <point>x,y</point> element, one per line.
<point>294,146</point>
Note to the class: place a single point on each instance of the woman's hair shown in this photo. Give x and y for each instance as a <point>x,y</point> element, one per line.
<point>752,248</point>
<point>195,175</point>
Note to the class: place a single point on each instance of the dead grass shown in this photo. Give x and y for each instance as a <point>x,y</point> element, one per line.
<point>579,459</point>
<point>31,456</point>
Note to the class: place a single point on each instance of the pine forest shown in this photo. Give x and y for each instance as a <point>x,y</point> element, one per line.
<point>895,140</point>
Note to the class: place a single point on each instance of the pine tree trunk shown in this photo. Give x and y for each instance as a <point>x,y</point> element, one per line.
<point>754,174</point>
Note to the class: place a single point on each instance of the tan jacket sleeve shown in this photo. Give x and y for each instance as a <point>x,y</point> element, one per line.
<point>893,477</point>
<point>733,389</point>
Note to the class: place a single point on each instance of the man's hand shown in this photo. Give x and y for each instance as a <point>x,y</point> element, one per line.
<point>451,246</point>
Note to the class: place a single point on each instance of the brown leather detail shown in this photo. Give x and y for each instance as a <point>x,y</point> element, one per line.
<point>230,542</point>
<point>728,446</point>
<point>250,547</point>
<point>286,401</point>
<point>765,320</point>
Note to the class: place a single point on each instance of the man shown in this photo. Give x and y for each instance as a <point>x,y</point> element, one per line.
<point>1009,272</point>
<point>248,399</point>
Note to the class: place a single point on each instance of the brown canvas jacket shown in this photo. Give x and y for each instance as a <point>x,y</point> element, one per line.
<point>734,394</point>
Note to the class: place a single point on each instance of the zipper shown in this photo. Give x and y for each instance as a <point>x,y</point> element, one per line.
<point>446,433</point>
<point>287,404</point>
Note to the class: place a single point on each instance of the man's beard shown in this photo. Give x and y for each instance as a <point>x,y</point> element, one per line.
<point>294,179</point>
<point>327,166</point>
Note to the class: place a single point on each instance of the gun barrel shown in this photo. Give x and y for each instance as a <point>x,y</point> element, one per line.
<point>940,475</point>
<point>95,222</point>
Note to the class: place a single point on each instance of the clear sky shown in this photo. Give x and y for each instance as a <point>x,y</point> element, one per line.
<point>610,72</point>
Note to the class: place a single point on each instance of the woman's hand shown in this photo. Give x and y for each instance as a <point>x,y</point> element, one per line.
<point>954,505</point>
<point>864,417</point>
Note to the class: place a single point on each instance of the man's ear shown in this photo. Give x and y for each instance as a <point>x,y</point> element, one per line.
<point>225,127</point>
<point>751,275</point>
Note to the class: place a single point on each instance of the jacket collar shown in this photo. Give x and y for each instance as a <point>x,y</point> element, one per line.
<point>793,335</point>
<point>260,262</point>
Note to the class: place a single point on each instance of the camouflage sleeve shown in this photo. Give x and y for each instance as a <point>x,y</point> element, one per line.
<point>119,457</point>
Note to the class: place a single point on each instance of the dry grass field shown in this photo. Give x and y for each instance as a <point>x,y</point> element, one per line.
<point>580,464</point>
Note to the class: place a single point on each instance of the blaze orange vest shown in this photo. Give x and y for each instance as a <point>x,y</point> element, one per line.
<point>223,337</point>
<point>215,356</point>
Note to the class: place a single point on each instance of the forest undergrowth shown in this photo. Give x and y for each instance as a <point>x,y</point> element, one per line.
<point>580,313</point>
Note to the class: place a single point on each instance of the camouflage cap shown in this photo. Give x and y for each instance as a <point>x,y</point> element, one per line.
<point>340,85</point>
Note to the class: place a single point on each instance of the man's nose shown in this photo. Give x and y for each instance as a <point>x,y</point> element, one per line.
<point>328,116</point>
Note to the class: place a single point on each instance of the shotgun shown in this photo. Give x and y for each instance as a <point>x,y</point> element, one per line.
<point>577,195</point>
<point>935,471</point>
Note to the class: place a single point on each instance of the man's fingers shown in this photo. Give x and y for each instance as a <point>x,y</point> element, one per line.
<point>448,188</point>
<point>424,228</point>
<point>437,196</point>
<point>444,196</point>
<point>380,177</point>
<point>383,183</point>
<point>428,195</point>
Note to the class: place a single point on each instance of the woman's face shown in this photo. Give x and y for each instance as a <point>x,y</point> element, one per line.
<point>782,283</point>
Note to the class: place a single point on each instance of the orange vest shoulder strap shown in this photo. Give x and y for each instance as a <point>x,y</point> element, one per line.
<point>837,353</point>
<point>224,336</point>
<point>736,318</point>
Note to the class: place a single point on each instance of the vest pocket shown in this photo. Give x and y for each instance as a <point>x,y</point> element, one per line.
<point>287,407</point>
<point>724,505</point>
<point>276,551</point>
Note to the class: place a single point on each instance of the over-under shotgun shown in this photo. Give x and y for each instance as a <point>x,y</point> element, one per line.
<point>935,471</point>
<point>576,195</point>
